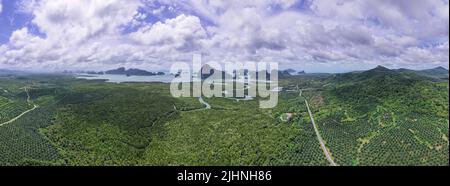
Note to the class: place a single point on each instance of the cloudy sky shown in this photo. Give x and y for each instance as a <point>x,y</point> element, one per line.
<point>311,35</point>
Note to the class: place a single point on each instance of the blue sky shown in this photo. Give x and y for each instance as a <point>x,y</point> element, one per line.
<point>8,21</point>
<point>311,35</point>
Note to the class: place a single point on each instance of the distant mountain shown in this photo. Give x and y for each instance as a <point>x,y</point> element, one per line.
<point>133,72</point>
<point>3,71</point>
<point>10,72</point>
<point>439,72</point>
<point>94,73</point>
<point>286,73</point>
<point>379,68</point>
<point>367,89</point>
<point>207,71</point>
<point>118,71</point>
<point>290,70</point>
<point>378,73</point>
<point>435,74</point>
<point>139,72</point>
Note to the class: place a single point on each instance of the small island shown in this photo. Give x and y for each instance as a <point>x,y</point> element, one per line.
<point>133,72</point>
<point>120,71</point>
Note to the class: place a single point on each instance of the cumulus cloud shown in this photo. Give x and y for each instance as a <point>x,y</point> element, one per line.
<point>153,33</point>
<point>77,21</point>
<point>1,7</point>
<point>182,32</point>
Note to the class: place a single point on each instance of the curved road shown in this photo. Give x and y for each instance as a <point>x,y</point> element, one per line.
<point>207,105</point>
<point>19,116</point>
<point>319,137</point>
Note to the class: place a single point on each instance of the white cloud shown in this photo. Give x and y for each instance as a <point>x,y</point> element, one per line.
<point>1,7</point>
<point>182,33</point>
<point>75,21</point>
<point>70,28</point>
<point>90,33</point>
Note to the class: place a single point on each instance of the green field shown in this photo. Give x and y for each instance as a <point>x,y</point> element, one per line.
<point>372,118</point>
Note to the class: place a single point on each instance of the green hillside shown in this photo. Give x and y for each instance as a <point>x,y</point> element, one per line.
<point>376,117</point>
<point>385,117</point>
<point>438,73</point>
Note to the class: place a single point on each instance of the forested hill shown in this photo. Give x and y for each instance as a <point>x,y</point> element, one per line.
<point>376,73</point>
<point>409,91</point>
<point>439,73</point>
